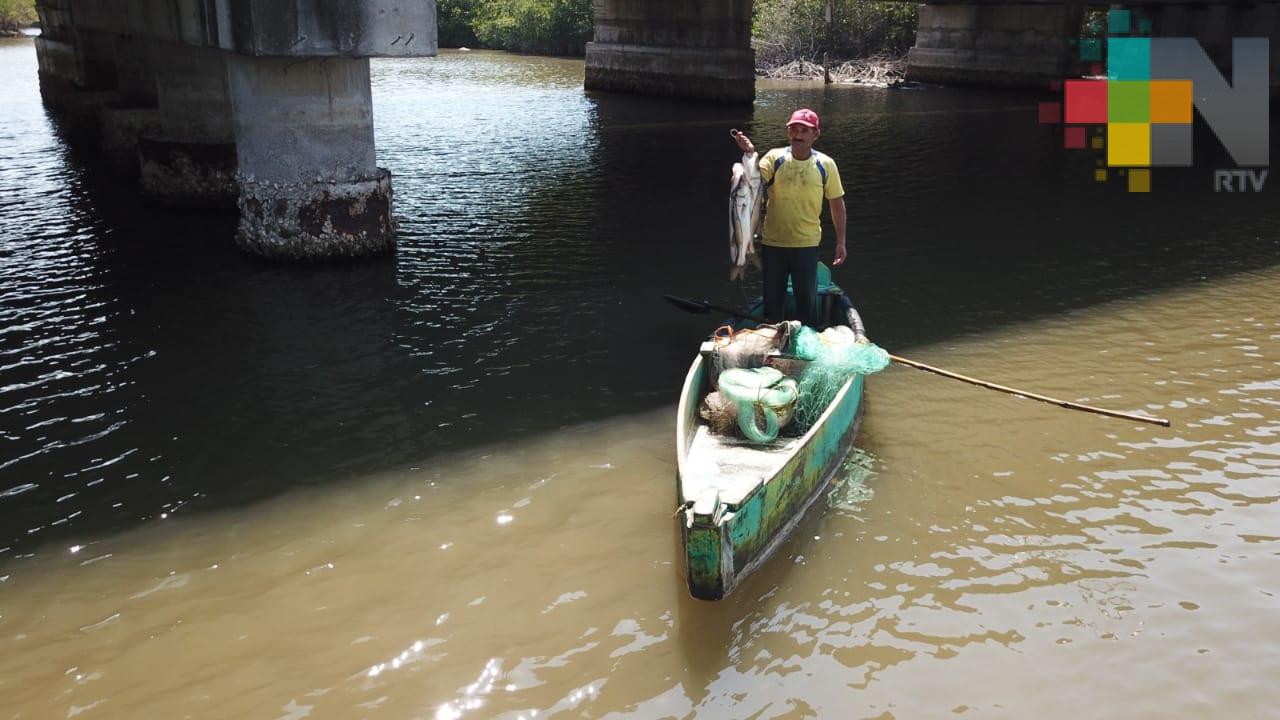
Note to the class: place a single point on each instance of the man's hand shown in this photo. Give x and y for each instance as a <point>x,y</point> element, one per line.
<point>744,142</point>
<point>839,218</point>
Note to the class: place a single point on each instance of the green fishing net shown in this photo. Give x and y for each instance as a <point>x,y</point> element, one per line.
<point>833,358</point>
<point>759,392</point>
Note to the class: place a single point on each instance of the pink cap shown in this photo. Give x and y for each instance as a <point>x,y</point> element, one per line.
<point>804,116</point>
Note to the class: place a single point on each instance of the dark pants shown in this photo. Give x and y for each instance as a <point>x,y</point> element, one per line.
<point>801,264</point>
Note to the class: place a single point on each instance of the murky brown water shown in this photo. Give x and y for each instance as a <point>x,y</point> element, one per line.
<point>984,556</point>
<point>441,485</point>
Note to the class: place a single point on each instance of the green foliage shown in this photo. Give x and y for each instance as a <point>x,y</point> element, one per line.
<point>786,30</point>
<point>453,21</point>
<point>17,13</point>
<point>549,27</point>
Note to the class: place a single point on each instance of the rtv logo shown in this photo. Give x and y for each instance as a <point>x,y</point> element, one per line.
<point>1141,109</point>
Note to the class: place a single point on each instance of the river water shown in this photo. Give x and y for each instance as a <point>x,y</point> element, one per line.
<point>441,484</point>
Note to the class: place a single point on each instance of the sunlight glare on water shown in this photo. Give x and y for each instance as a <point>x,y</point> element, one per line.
<point>982,552</point>
<point>441,485</point>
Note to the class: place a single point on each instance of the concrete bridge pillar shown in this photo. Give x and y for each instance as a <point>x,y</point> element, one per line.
<point>674,48</point>
<point>985,44</point>
<point>77,71</point>
<point>308,184</point>
<point>134,112</point>
<point>190,160</point>
<point>135,76</point>
<point>257,104</point>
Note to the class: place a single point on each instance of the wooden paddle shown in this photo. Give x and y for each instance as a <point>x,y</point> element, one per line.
<point>703,307</point>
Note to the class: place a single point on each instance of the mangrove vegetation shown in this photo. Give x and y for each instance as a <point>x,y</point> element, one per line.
<point>785,33</point>
<point>15,15</point>
<point>544,27</point>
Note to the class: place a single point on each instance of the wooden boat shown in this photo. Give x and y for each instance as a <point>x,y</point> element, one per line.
<point>739,500</point>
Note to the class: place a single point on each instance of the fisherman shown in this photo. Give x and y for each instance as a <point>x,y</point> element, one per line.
<point>797,178</point>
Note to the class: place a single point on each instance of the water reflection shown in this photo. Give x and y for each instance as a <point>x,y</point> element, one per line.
<point>341,483</point>
<point>539,228</point>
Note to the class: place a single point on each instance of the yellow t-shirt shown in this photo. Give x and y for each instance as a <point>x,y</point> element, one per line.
<point>795,197</point>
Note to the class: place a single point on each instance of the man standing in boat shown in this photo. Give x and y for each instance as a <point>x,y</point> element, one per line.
<point>797,178</point>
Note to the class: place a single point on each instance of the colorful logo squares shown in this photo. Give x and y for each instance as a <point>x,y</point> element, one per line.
<point>1118,21</point>
<point>1148,121</point>
<point>1129,58</point>
<point>1143,117</point>
<point>1148,145</point>
<point>1170,101</point>
<point>1128,101</point>
<point>1096,102</point>
<point>1085,102</point>
<point>1128,144</point>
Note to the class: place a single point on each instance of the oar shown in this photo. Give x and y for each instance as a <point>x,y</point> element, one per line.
<point>703,307</point>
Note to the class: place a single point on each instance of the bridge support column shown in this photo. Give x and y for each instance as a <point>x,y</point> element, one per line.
<point>257,104</point>
<point>1010,45</point>
<point>77,76</point>
<point>309,188</point>
<point>135,112</point>
<point>673,48</point>
<point>191,161</point>
<point>121,128</point>
<point>135,75</point>
<point>83,58</point>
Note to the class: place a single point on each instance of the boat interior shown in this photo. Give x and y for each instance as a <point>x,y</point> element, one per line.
<point>727,463</point>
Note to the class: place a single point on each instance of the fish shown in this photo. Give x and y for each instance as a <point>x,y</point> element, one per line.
<point>746,205</point>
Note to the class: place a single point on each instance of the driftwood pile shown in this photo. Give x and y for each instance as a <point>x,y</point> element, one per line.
<point>880,70</point>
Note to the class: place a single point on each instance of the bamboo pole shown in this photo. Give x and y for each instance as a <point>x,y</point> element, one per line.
<point>1030,395</point>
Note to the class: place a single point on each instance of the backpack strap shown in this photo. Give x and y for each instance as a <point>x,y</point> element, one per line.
<point>817,160</point>
<point>822,169</point>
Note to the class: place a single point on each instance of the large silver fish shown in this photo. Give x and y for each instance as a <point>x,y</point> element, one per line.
<point>746,203</point>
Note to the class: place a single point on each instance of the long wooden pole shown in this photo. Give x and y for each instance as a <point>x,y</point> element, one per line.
<point>703,307</point>
<point>1033,396</point>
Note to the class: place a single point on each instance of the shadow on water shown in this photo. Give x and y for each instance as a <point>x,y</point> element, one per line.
<point>526,292</point>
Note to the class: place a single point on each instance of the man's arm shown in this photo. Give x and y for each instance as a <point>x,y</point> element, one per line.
<point>838,219</point>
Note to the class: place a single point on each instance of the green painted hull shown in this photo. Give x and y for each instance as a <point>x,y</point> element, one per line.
<point>725,545</point>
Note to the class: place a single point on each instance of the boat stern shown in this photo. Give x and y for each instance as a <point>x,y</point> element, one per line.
<point>707,549</point>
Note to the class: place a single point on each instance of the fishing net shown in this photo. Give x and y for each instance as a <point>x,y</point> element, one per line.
<point>834,356</point>
<point>719,412</point>
<point>761,394</point>
<point>746,348</point>
<point>804,369</point>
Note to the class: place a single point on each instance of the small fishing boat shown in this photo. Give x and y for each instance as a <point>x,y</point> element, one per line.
<point>740,500</point>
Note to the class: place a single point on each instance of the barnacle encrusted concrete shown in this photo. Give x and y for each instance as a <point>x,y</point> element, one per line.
<point>316,220</point>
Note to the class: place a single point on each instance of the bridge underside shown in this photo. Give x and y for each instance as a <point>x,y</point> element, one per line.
<point>674,48</point>
<point>242,104</point>
<point>995,45</point>
<point>1030,44</point>
<point>702,50</point>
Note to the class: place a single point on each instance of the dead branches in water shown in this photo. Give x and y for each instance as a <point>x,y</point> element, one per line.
<point>880,70</point>
<point>796,69</point>
<point>875,70</point>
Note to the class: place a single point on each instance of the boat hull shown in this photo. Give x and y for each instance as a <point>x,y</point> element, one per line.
<point>725,545</point>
